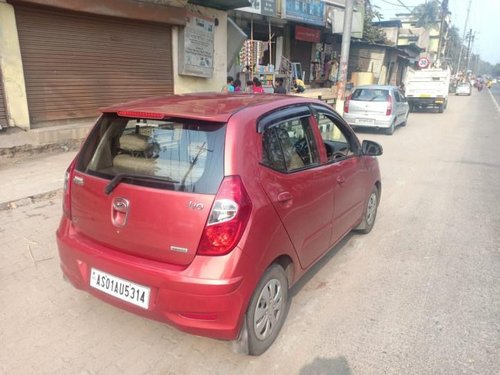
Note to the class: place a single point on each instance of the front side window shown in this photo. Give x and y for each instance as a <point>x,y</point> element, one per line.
<point>336,140</point>
<point>289,145</point>
<point>176,154</point>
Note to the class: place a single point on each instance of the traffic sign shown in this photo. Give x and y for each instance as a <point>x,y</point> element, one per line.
<point>423,62</point>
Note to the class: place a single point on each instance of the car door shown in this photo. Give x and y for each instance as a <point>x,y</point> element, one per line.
<point>402,106</point>
<point>296,182</point>
<point>346,168</point>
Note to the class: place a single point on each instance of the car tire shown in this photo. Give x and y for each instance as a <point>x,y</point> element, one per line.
<point>267,310</point>
<point>370,213</point>
<point>441,108</point>
<point>390,129</point>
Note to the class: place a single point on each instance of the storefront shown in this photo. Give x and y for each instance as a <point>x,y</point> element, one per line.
<point>261,52</point>
<point>307,22</point>
<point>76,62</point>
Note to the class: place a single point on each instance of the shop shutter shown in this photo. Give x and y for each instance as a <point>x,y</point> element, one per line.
<point>301,52</point>
<point>3,112</point>
<point>76,63</point>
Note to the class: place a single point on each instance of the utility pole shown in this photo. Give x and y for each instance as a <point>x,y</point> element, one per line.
<point>444,13</point>
<point>463,39</point>
<point>344,56</point>
<point>469,48</point>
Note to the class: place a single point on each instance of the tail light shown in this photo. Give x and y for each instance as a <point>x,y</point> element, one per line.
<point>388,112</point>
<point>228,218</point>
<point>346,104</point>
<point>67,190</point>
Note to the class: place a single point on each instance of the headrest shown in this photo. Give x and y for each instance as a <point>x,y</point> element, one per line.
<point>134,143</point>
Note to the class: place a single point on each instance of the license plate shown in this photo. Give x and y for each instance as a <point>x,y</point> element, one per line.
<point>367,121</point>
<point>125,290</point>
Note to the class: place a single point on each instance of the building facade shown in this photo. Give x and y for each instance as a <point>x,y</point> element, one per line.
<point>60,61</point>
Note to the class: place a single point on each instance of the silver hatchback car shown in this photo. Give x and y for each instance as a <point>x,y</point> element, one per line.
<point>376,106</point>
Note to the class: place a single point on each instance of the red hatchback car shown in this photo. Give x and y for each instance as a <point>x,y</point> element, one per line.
<point>202,210</point>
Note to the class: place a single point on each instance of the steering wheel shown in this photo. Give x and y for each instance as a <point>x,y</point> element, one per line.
<point>301,147</point>
<point>336,155</point>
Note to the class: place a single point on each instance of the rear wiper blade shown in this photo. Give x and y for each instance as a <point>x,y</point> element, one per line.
<point>121,176</point>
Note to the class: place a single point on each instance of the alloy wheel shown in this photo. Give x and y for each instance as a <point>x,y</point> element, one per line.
<point>269,309</point>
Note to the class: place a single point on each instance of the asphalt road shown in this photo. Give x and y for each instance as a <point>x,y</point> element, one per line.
<point>420,294</point>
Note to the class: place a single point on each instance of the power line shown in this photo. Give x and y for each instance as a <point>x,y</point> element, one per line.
<point>399,1</point>
<point>396,5</point>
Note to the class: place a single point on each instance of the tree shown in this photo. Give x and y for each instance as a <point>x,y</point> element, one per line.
<point>371,33</point>
<point>496,70</point>
<point>453,45</point>
<point>427,14</point>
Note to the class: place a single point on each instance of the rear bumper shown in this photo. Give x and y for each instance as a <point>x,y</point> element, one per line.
<point>426,101</point>
<point>189,298</point>
<point>368,121</point>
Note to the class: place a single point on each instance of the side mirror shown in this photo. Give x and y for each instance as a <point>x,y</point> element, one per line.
<point>370,148</point>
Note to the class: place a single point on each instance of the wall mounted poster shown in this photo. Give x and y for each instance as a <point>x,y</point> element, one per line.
<point>196,46</point>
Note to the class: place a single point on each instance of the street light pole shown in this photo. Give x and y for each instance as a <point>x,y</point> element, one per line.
<point>344,56</point>
<point>463,39</point>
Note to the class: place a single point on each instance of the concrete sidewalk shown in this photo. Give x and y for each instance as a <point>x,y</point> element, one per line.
<point>25,181</point>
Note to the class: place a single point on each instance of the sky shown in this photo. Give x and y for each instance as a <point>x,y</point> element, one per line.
<point>484,20</point>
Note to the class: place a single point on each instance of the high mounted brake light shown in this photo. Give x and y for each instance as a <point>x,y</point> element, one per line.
<point>138,114</point>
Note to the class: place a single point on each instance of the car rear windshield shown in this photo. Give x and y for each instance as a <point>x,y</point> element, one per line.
<point>176,154</point>
<point>370,95</point>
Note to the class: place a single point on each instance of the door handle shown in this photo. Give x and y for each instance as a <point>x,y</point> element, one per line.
<point>340,180</point>
<point>78,180</point>
<point>284,196</point>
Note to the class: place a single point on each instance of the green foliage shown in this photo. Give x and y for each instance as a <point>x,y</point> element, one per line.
<point>371,33</point>
<point>427,14</point>
<point>453,45</point>
<point>496,70</point>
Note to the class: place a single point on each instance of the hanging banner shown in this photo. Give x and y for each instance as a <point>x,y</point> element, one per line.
<point>264,7</point>
<point>305,11</point>
<point>196,46</point>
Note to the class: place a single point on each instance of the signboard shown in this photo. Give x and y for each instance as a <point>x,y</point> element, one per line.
<point>423,62</point>
<point>196,46</point>
<point>307,34</point>
<point>337,16</point>
<point>264,7</point>
<point>304,11</point>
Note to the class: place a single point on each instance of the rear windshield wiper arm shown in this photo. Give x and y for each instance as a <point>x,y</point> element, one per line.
<point>121,176</point>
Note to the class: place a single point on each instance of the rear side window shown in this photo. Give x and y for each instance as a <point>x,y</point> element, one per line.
<point>370,95</point>
<point>175,154</point>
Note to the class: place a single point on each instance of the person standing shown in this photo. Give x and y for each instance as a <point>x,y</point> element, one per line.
<point>249,88</point>
<point>229,85</point>
<point>237,85</point>
<point>279,88</point>
<point>257,86</point>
